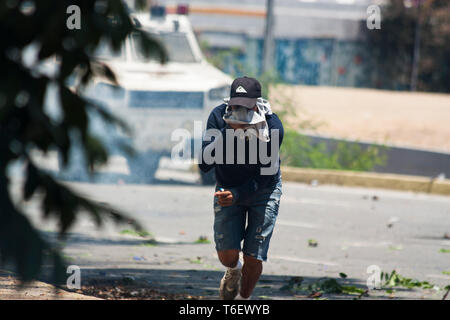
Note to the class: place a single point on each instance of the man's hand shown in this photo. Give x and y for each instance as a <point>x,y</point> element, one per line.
<point>225,198</point>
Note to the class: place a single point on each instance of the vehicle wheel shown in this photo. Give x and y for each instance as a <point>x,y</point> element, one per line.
<point>143,167</point>
<point>208,178</point>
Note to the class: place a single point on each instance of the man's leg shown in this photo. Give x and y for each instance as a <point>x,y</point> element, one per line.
<point>262,214</point>
<point>229,227</point>
<point>251,271</point>
<point>230,282</point>
<point>229,258</point>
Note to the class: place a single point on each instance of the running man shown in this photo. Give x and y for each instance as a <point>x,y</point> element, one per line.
<point>247,194</point>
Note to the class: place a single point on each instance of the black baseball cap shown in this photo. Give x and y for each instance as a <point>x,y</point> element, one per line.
<point>244,92</point>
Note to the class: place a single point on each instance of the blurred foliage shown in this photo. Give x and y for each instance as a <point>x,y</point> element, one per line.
<point>297,150</point>
<point>392,46</point>
<point>141,233</point>
<point>222,58</point>
<point>26,126</point>
<point>228,60</point>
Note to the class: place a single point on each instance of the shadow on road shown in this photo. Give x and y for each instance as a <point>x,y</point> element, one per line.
<point>197,284</point>
<point>185,284</point>
<point>75,239</point>
<point>116,178</point>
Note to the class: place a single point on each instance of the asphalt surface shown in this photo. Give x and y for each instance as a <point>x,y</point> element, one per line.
<point>354,228</point>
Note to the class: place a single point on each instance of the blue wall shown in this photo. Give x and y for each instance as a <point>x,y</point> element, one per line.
<point>326,62</point>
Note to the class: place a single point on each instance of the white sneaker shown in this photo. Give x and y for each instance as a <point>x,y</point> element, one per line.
<point>230,283</point>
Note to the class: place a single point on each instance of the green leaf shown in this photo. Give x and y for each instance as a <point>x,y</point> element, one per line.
<point>95,152</point>
<point>27,127</point>
<point>100,69</point>
<point>352,290</point>
<point>74,108</point>
<point>31,182</point>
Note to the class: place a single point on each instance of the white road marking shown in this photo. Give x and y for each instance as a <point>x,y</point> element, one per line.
<point>189,177</point>
<point>359,244</point>
<point>116,164</point>
<point>296,224</point>
<point>438,276</point>
<point>317,202</point>
<point>166,240</point>
<point>310,261</point>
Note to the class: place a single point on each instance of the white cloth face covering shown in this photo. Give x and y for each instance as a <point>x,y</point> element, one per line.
<point>255,120</point>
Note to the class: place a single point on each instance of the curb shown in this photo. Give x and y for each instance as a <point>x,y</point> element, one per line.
<point>367,180</point>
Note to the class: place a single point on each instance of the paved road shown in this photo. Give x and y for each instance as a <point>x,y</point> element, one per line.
<point>349,224</point>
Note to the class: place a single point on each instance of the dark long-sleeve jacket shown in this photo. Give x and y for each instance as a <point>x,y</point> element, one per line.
<point>242,180</point>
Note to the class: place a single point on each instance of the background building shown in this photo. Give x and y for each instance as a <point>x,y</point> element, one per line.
<point>317,42</point>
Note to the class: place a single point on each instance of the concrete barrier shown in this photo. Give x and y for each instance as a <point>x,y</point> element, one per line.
<point>399,160</point>
<point>367,179</point>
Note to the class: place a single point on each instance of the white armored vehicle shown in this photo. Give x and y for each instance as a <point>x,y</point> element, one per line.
<point>156,99</point>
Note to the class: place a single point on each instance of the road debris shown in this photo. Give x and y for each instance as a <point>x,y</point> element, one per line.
<point>392,221</point>
<point>141,258</point>
<point>202,239</point>
<point>123,290</point>
<point>312,243</point>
